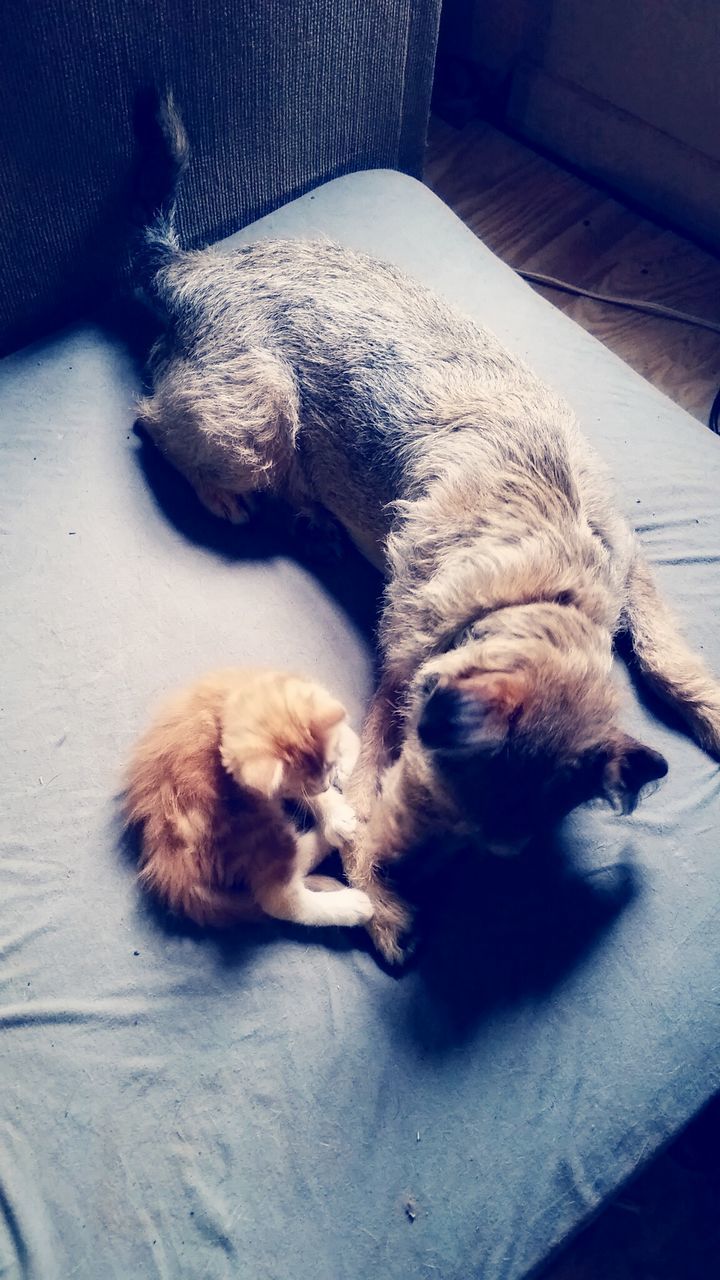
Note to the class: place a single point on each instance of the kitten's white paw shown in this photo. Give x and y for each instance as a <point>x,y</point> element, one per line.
<point>340,827</point>
<point>351,907</point>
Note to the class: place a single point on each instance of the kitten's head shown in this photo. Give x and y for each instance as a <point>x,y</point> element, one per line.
<point>521,722</point>
<point>281,738</point>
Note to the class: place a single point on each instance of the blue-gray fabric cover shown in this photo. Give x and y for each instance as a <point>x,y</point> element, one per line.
<point>273,1103</point>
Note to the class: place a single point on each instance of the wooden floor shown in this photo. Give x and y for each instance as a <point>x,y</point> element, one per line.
<point>538,216</point>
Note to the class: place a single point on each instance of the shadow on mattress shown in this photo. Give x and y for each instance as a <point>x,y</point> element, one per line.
<point>273,532</point>
<point>503,932</point>
<point>494,934</point>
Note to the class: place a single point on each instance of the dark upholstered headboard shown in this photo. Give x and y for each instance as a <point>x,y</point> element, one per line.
<point>277,96</point>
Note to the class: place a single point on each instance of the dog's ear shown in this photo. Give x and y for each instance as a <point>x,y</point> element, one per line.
<point>473,711</point>
<point>631,767</point>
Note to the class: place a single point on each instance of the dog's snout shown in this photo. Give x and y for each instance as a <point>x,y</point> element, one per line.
<point>440,719</point>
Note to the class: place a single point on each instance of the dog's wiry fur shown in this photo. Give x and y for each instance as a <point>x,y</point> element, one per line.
<point>206,784</point>
<point>312,371</point>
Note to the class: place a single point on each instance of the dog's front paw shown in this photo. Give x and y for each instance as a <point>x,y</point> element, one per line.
<point>390,927</point>
<point>393,944</point>
<point>340,826</point>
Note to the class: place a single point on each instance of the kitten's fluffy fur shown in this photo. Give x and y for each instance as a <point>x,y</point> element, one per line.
<point>207,782</point>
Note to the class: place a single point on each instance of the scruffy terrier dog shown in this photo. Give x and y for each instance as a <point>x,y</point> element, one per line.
<point>206,784</point>
<point>319,374</point>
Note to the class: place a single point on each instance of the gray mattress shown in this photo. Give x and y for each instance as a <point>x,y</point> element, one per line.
<point>273,1103</point>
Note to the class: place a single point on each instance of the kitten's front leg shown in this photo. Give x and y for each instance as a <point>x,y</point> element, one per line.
<point>311,849</point>
<point>347,757</point>
<point>297,901</point>
<point>315,900</point>
<point>335,818</point>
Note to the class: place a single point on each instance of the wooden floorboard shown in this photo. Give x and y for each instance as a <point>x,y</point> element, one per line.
<point>538,216</point>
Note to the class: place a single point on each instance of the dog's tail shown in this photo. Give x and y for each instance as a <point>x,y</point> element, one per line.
<point>162,158</point>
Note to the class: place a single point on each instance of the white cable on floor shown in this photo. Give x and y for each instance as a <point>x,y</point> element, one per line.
<point>634,304</point>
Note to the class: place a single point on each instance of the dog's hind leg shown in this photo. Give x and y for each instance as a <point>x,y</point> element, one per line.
<point>230,430</point>
<point>666,661</point>
<point>235,507</point>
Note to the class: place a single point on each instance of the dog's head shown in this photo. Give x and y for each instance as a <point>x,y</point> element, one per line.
<point>521,723</point>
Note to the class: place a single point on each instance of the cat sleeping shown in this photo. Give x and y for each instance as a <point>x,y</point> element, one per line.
<point>207,783</point>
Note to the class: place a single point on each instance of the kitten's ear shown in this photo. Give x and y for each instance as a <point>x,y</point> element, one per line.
<point>263,773</point>
<point>631,767</point>
<point>328,713</point>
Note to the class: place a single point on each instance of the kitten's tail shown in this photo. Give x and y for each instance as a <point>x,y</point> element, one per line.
<point>163,155</point>
<point>177,835</point>
<point>205,906</point>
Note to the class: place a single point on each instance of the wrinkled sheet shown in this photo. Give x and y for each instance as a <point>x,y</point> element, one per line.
<point>272,1103</point>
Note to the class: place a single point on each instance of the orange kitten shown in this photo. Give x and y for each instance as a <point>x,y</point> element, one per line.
<point>207,782</point>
